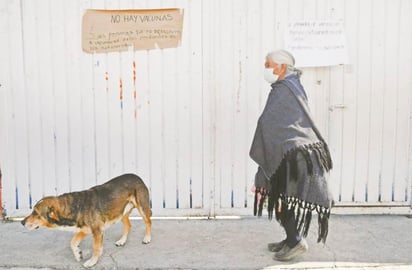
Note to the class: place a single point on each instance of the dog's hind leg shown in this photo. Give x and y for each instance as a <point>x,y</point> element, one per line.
<point>97,248</point>
<point>74,244</point>
<point>146,213</point>
<point>126,229</point>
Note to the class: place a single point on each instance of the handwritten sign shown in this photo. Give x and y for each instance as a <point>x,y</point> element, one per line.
<point>117,30</point>
<point>317,43</point>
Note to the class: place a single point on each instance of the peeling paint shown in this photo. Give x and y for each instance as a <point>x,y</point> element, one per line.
<point>121,93</point>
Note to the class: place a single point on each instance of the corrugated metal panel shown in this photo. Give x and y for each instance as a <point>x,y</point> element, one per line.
<point>184,118</point>
<point>368,151</point>
<point>362,108</point>
<point>75,120</point>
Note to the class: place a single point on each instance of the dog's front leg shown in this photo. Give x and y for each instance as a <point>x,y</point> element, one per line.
<point>74,244</point>
<point>97,248</point>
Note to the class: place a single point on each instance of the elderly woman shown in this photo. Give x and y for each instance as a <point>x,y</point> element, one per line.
<point>293,159</point>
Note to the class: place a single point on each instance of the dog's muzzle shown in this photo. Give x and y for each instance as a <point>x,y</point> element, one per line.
<point>30,227</point>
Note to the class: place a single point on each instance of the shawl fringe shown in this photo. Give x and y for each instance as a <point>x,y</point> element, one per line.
<point>260,198</point>
<point>284,205</point>
<point>303,212</point>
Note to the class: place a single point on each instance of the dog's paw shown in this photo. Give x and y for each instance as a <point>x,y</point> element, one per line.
<point>78,254</point>
<point>121,242</point>
<point>147,239</point>
<point>91,262</point>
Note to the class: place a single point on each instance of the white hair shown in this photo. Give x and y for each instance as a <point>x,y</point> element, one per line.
<point>284,57</point>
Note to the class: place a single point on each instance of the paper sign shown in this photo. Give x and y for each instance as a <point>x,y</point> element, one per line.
<point>317,43</point>
<point>117,30</point>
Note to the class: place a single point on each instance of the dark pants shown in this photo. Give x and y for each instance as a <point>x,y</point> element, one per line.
<point>289,224</point>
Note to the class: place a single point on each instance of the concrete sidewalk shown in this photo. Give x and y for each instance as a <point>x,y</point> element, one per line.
<point>354,242</point>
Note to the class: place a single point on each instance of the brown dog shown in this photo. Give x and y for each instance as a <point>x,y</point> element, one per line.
<point>92,211</point>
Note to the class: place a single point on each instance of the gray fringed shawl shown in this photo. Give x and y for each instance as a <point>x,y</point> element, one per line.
<point>293,159</point>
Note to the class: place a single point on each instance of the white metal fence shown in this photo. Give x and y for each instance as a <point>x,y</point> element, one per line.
<point>183,118</point>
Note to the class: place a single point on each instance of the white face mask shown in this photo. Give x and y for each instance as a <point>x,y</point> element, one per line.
<point>269,76</point>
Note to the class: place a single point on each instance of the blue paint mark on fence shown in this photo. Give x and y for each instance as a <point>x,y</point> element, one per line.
<point>190,198</point>
<point>393,191</point>
<point>17,198</point>
<point>177,198</point>
<point>30,201</point>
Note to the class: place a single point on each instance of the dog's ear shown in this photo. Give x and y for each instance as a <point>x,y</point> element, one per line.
<point>52,215</point>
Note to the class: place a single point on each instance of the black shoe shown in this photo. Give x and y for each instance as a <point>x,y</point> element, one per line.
<point>276,247</point>
<point>287,253</point>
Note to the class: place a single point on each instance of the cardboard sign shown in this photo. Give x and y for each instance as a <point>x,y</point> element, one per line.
<point>317,43</point>
<point>117,30</point>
